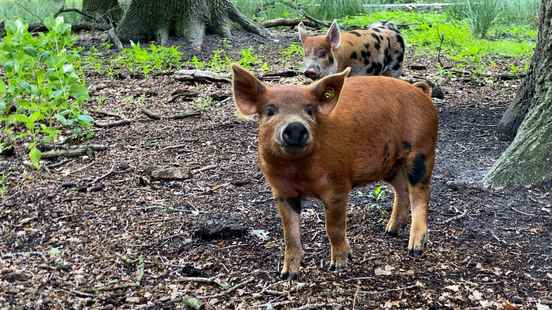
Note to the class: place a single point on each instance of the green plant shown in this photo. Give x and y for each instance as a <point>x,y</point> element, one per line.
<point>197,63</point>
<point>203,103</point>
<point>247,58</point>
<point>42,90</point>
<point>292,51</point>
<point>153,59</point>
<point>219,61</point>
<point>481,15</point>
<point>378,193</point>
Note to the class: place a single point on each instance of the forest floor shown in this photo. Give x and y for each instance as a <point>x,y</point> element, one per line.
<point>98,231</point>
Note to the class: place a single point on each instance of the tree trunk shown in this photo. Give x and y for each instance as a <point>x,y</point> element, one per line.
<point>103,10</point>
<point>528,160</point>
<point>525,99</point>
<point>190,19</point>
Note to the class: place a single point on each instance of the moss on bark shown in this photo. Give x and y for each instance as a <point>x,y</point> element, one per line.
<point>528,160</point>
<point>190,19</point>
<point>104,10</point>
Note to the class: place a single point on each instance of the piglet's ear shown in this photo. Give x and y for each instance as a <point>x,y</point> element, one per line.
<point>334,35</point>
<point>302,30</point>
<point>247,90</point>
<point>328,89</point>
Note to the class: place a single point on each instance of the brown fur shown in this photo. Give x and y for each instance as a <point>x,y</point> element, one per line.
<point>361,133</point>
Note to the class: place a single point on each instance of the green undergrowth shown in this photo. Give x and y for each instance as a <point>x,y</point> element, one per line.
<point>42,89</point>
<point>429,32</point>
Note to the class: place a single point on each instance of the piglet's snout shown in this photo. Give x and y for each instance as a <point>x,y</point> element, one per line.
<point>295,135</point>
<point>311,73</point>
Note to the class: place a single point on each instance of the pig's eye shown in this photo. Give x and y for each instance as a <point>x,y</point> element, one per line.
<point>322,53</point>
<point>270,110</point>
<point>309,110</point>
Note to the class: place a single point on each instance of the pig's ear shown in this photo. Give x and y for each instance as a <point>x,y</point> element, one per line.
<point>302,32</point>
<point>247,90</point>
<point>334,35</point>
<point>327,90</point>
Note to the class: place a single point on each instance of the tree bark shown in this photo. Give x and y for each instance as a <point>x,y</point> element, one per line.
<point>528,160</point>
<point>525,99</point>
<point>190,19</point>
<point>103,10</point>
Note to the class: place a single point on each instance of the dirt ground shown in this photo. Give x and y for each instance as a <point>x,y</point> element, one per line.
<point>98,231</point>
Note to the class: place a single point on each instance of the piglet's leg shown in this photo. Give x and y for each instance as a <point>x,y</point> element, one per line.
<point>336,226</point>
<point>290,210</point>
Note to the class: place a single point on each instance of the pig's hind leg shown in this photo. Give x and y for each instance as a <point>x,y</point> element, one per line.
<point>401,202</point>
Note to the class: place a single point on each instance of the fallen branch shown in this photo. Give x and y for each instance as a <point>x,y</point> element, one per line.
<point>228,291</point>
<point>457,217</point>
<point>289,22</point>
<point>119,123</point>
<point>272,305</point>
<point>201,76</point>
<point>204,169</point>
<point>74,152</point>
<point>184,115</point>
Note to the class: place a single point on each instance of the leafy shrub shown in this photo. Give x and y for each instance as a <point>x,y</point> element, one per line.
<point>153,59</point>
<point>41,90</point>
<point>248,59</point>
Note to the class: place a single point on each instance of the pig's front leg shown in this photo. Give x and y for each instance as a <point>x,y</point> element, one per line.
<point>290,210</point>
<point>336,227</point>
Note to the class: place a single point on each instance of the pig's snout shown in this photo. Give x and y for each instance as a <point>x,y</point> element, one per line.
<point>295,135</point>
<point>311,73</point>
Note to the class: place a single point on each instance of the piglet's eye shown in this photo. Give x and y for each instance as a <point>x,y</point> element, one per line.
<point>322,53</point>
<point>309,110</point>
<point>271,110</point>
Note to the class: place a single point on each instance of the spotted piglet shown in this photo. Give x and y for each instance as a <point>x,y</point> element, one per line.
<point>378,50</point>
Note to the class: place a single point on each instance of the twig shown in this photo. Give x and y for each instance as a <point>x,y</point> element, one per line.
<point>82,294</point>
<point>496,237</point>
<point>274,304</point>
<point>524,213</point>
<point>317,306</point>
<point>360,279</point>
<point>209,167</point>
<point>98,179</point>
<point>391,290</point>
<point>211,280</point>
<point>59,164</point>
<point>228,291</point>
<point>74,152</point>
<point>137,283</point>
<point>184,115</point>
<point>454,218</point>
<point>355,296</point>
<point>33,253</point>
<point>107,113</point>
<point>441,40</point>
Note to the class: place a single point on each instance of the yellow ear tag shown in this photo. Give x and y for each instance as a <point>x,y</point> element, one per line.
<point>328,94</point>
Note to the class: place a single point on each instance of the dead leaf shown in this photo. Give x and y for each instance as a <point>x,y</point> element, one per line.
<point>475,295</point>
<point>385,271</point>
<point>454,288</point>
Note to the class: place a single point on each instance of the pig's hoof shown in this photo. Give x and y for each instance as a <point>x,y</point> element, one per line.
<point>288,276</point>
<point>415,252</point>
<point>337,268</point>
